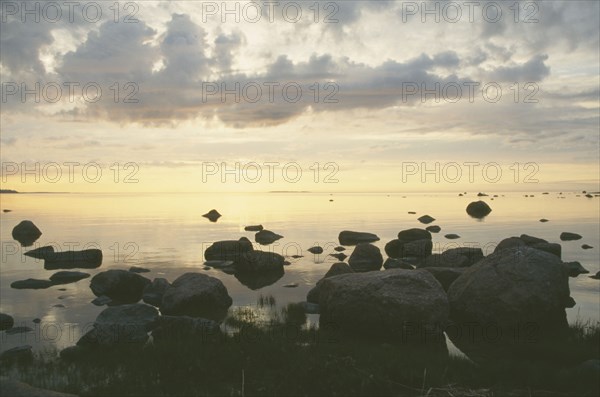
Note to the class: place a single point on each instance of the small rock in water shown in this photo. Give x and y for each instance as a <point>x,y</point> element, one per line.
<point>136,269</point>
<point>102,300</point>
<point>59,306</point>
<point>64,277</point>
<point>452,236</point>
<point>596,276</point>
<point>586,247</point>
<point>31,283</point>
<point>253,228</point>
<point>212,215</point>
<point>339,248</point>
<point>18,330</point>
<point>62,289</point>
<point>19,353</point>
<point>315,250</point>
<point>589,196</point>
<point>433,229</point>
<point>426,219</point>
<point>26,233</point>
<point>207,268</point>
<point>6,321</point>
<point>575,269</point>
<point>6,210</point>
<point>266,237</point>
<point>567,236</point>
<point>291,285</point>
<point>297,256</point>
<point>481,194</point>
<point>478,209</point>
<point>339,256</point>
<point>37,320</point>
<point>412,212</point>
<point>543,220</point>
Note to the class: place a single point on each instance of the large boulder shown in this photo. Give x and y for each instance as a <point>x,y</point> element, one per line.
<point>26,233</point>
<point>530,241</point>
<point>117,325</point>
<point>335,270</point>
<point>454,257</point>
<point>394,263</point>
<point>414,234</point>
<point>365,257</point>
<point>228,250</point>
<point>417,248</point>
<point>347,237</point>
<point>197,295</point>
<point>396,305</point>
<point>514,298</point>
<point>478,209</point>
<point>258,269</point>
<point>154,291</point>
<point>119,285</point>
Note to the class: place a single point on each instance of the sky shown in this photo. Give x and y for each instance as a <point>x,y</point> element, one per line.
<point>330,96</point>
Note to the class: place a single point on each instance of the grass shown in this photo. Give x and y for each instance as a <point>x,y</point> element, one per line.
<point>266,351</point>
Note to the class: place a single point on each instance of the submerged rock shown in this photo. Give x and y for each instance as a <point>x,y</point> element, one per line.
<point>478,209</point>
<point>347,237</point>
<point>26,233</point>
<point>198,295</point>
<point>119,285</point>
<point>365,257</point>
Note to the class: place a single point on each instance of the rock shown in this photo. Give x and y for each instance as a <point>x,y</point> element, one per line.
<point>393,263</point>
<point>256,281</point>
<point>426,219</point>
<point>198,295</point>
<point>22,354</point>
<point>413,234</point>
<point>297,256</point>
<point>136,269</point>
<point>102,300</point>
<point>478,209</point>
<point>65,277</point>
<point>567,236</point>
<point>353,238</point>
<point>6,322</point>
<point>397,305</point>
<point>41,252</point>
<point>510,242</point>
<point>177,328</point>
<point>433,229</point>
<point>444,261</point>
<point>446,275</point>
<point>340,256</point>
<point>31,283</point>
<point>124,324</point>
<point>18,330</point>
<point>291,285</point>
<point>119,285</point>
<point>228,249</point>
<point>575,269</point>
<point>218,264</point>
<point>589,195</point>
<point>544,220</point>
<point>266,237</point>
<point>153,292</point>
<point>59,306</point>
<point>511,289</point>
<point>310,308</point>
<point>412,212</point>
<point>254,228</point>
<point>472,254</point>
<point>365,257</point>
<point>531,240</point>
<point>452,236</point>
<point>418,248</point>
<point>26,233</point>
<point>36,320</point>
<point>259,262</point>
<point>586,247</point>
<point>335,270</point>
<point>481,194</point>
<point>6,210</point>
<point>212,215</point>
<point>596,276</point>
<point>552,248</point>
<point>315,250</point>
<point>86,259</point>
<point>339,248</point>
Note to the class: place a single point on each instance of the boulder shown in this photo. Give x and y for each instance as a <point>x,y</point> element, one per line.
<point>574,269</point>
<point>518,294</point>
<point>446,275</point>
<point>41,252</point>
<point>510,242</point>
<point>552,248</point>
<point>335,270</point>
<point>26,233</point>
<point>315,250</point>
<point>478,209</point>
<point>65,277</point>
<point>212,215</point>
<point>472,254</point>
<point>119,285</point>
<point>340,256</point>
<point>433,229</point>
<point>347,237</point>
<point>137,269</point>
<point>403,306</point>
<point>444,261</point>
<point>266,237</point>
<point>426,219</point>
<point>394,263</point>
<point>418,248</point>
<point>567,236</point>
<point>86,259</point>
<point>154,291</point>
<point>20,354</point>
<point>6,321</point>
<point>185,328</point>
<point>31,283</point>
<point>259,262</point>
<point>197,295</point>
<point>530,241</point>
<point>253,228</point>
<point>365,257</point>
<point>596,276</point>
<point>414,234</point>
<point>228,250</point>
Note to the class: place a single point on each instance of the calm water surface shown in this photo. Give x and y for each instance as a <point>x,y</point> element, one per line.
<point>167,234</point>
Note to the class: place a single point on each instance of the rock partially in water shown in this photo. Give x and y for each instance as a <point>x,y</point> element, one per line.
<point>575,269</point>
<point>530,241</point>
<point>414,234</point>
<point>6,322</point>
<point>401,306</point>
<point>478,209</point>
<point>26,233</point>
<point>18,330</point>
<point>534,291</point>
<point>433,229</point>
<point>86,259</point>
<point>266,237</point>
<point>446,275</point>
<point>426,219</point>
<point>41,252</point>
<point>212,215</point>
<point>65,277</point>
<point>335,270</point>
<point>452,236</point>
<point>568,236</point>
<point>596,276</point>
<point>347,237</point>
<point>119,285</point>
<point>153,293</point>
<point>259,262</point>
<point>256,281</point>
<point>137,269</point>
<point>254,228</point>
<point>586,247</point>
<point>315,250</point>
<point>31,283</point>
<point>365,257</point>
<point>544,220</point>
<point>340,256</point>
<point>20,354</point>
<point>197,295</point>
<point>394,263</point>
<point>339,248</point>
<point>228,250</point>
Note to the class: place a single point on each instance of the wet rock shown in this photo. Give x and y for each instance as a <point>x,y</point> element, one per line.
<point>414,234</point>
<point>198,295</point>
<point>65,277</point>
<point>353,238</point>
<point>575,269</point>
<point>586,247</point>
<point>31,283</point>
<point>228,249</point>
<point>478,209</point>
<point>315,250</point>
<point>136,269</point>
<point>335,270</point>
<point>212,215</point>
<point>119,285</point>
<point>86,259</point>
<point>254,228</point>
<point>433,229</point>
<point>394,263</point>
<point>567,236</point>
<point>20,354</point>
<point>26,233</point>
<point>6,321</point>
<point>340,248</point>
<point>446,275</point>
<point>266,237</point>
<point>452,236</point>
<point>365,257</point>
<point>426,219</point>
<point>544,220</point>
<point>154,291</point>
